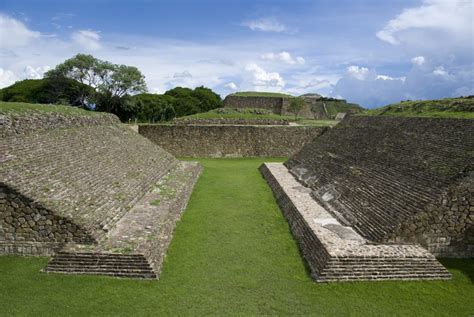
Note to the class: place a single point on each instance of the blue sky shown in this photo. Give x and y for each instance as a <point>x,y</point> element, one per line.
<point>369,51</point>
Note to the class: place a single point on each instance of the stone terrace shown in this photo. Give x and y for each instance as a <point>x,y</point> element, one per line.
<point>335,252</point>
<point>396,179</point>
<point>73,178</point>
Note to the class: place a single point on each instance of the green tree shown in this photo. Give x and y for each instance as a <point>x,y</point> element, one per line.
<point>188,101</point>
<point>296,105</point>
<point>153,107</point>
<point>82,68</point>
<point>208,99</point>
<point>110,82</point>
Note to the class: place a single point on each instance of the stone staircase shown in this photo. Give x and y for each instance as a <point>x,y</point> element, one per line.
<point>109,264</point>
<point>354,269</point>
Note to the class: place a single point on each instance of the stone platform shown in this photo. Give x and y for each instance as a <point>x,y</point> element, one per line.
<point>136,245</point>
<point>336,252</point>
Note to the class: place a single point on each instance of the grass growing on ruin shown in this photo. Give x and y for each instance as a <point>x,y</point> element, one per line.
<point>462,108</point>
<point>232,114</point>
<point>260,94</point>
<point>21,107</point>
<point>232,254</point>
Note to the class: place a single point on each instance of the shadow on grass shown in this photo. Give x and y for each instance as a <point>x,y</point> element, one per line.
<point>465,266</point>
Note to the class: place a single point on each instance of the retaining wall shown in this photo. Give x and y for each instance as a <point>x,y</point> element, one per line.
<point>230,140</point>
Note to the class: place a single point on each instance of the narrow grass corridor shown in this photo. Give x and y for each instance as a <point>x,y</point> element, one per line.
<point>232,254</point>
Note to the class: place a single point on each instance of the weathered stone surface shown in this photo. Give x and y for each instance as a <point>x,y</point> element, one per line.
<point>396,179</point>
<point>335,252</point>
<point>230,121</point>
<point>230,140</point>
<point>69,180</point>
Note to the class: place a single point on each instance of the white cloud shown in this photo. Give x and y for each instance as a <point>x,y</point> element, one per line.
<point>231,86</point>
<point>283,57</point>
<point>14,33</point>
<point>300,60</point>
<point>435,18</point>
<point>7,77</point>
<point>262,80</point>
<point>357,72</point>
<point>265,25</point>
<point>31,72</point>
<point>418,60</point>
<point>425,82</point>
<point>440,71</point>
<point>184,74</point>
<point>88,39</point>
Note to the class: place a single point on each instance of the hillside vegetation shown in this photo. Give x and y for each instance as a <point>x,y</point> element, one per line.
<point>59,90</point>
<point>462,107</point>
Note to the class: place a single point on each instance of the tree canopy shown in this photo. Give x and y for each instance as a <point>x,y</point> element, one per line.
<point>110,81</point>
<point>94,84</point>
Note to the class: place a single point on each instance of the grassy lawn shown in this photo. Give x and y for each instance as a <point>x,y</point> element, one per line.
<point>232,254</point>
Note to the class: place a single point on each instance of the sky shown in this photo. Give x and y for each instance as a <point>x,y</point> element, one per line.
<point>370,52</point>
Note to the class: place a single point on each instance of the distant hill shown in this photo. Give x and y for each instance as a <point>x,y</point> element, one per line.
<point>65,91</point>
<point>462,107</point>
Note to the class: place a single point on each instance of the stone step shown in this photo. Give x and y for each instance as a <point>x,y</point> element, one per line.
<point>384,271</point>
<point>119,265</point>
<point>114,274</point>
<point>68,266</point>
<point>100,255</point>
<point>98,269</point>
<point>118,261</point>
<point>381,278</point>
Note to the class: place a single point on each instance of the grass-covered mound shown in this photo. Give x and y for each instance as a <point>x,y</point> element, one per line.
<point>22,108</point>
<point>255,113</point>
<point>232,255</point>
<point>462,107</point>
<point>260,94</point>
<point>335,106</point>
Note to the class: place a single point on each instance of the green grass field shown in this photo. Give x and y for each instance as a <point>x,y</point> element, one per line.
<point>232,255</point>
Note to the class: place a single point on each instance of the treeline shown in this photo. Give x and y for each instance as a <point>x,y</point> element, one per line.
<point>87,82</point>
<point>176,102</point>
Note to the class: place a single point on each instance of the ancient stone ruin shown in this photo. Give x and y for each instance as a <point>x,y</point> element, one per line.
<point>95,194</point>
<point>378,197</point>
<point>316,107</point>
<point>230,140</point>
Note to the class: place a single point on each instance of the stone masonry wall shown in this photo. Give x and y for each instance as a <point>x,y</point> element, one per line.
<point>87,169</point>
<point>230,141</point>
<point>23,220</point>
<point>393,178</point>
<point>231,121</point>
<point>273,104</point>
<point>17,124</point>
<point>446,227</point>
<point>278,105</point>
